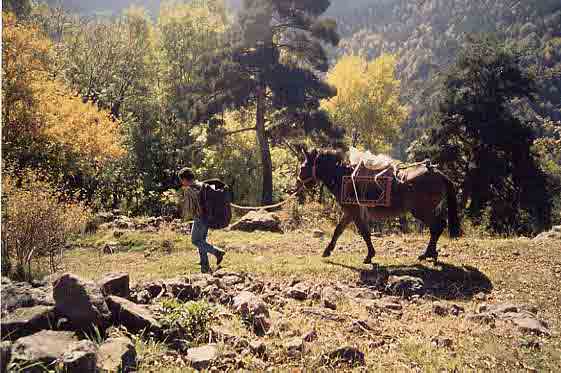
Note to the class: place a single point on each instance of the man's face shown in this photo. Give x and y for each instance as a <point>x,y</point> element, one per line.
<point>186,183</point>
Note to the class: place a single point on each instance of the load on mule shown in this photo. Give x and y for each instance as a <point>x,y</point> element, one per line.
<point>419,189</point>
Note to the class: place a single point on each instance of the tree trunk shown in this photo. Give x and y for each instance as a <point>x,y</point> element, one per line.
<point>266,164</point>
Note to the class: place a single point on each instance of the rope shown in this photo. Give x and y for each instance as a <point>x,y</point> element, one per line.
<point>292,196</point>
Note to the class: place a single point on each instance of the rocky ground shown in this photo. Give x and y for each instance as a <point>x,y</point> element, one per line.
<point>276,305</point>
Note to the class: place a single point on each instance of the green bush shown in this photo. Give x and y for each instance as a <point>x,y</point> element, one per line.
<point>191,320</point>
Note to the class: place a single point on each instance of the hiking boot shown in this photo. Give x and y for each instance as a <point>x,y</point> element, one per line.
<point>205,269</point>
<point>219,257</point>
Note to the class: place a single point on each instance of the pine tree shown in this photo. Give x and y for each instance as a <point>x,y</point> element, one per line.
<point>271,62</point>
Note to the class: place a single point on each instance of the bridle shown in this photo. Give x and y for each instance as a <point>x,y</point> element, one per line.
<point>314,173</point>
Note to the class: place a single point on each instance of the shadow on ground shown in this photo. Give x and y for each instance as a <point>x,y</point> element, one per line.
<point>443,280</point>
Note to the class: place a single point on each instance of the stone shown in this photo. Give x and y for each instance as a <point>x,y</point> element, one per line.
<point>253,310</point>
<point>231,280</point>
<point>318,233</point>
<point>258,221</point>
<point>296,293</point>
<point>310,336</point>
<point>391,305</point>
<point>456,310</point>
<point>182,290</point>
<point>5,355</point>
<point>15,295</point>
<point>80,301</point>
<point>323,313</point>
<point>258,347</point>
<point>440,309</point>
<point>27,320</point>
<point>133,316</point>
<point>115,284</point>
<point>329,298</point>
<point>202,357</point>
<point>41,350</point>
<point>111,247</point>
<point>531,325</point>
<point>405,286</point>
<point>294,347</point>
<point>346,354</point>
<point>81,357</point>
<point>361,326</point>
<point>116,355</point>
<point>374,278</point>
<point>442,342</point>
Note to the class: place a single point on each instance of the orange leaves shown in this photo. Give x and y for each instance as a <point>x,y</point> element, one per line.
<point>40,113</point>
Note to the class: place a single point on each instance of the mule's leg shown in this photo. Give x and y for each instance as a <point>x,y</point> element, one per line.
<point>345,220</point>
<point>364,231</point>
<point>436,229</point>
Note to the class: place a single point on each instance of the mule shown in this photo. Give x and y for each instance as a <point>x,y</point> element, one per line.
<point>421,191</point>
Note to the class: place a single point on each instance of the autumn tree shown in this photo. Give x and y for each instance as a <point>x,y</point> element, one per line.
<point>44,125</point>
<point>271,63</point>
<point>367,103</point>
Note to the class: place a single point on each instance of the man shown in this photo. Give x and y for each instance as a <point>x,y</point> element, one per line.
<point>192,208</point>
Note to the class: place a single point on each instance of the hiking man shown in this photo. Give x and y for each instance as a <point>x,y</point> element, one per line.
<point>190,208</point>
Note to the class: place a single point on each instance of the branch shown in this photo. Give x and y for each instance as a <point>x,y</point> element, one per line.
<point>239,131</point>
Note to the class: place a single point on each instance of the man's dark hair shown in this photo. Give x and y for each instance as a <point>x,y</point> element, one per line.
<point>186,173</point>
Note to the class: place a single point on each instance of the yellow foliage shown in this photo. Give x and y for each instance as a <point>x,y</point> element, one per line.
<point>40,113</point>
<point>367,99</point>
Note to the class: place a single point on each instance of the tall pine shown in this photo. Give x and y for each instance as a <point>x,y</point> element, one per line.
<point>272,62</point>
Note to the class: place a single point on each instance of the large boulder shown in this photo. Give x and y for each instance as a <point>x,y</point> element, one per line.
<point>41,350</point>
<point>202,357</point>
<point>258,221</point>
<point>81,357</point>
<point>134,316</point>
<point>27,320</point>
<point>115,284</point>
<point>80,301</point>
<point>116,355</point>
<point>182,289</point>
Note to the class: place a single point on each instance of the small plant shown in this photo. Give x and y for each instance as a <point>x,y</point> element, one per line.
<point>191,320</point>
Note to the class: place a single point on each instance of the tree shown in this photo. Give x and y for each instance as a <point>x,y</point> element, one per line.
<point>484,144</point>
<point>44,125</point>
<point>270,63</point>
<point>367,101</point>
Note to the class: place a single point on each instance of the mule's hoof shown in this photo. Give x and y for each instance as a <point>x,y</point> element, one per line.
<point>367,260</point>
<point>425,256</point>
<point>326,254</point>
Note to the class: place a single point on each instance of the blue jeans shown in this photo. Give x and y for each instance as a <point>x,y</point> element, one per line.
<point>199,233</point>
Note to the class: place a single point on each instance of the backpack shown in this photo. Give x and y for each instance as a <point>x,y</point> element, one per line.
<point>215,198</point>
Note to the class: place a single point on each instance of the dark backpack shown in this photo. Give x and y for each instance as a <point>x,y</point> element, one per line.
<point>215,198</point>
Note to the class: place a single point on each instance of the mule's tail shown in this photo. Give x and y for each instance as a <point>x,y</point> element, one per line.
<point>453,219</point>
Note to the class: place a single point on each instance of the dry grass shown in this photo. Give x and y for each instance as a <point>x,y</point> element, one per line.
<point>515,270</point>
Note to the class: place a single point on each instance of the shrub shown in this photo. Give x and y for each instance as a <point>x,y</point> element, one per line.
<point>36,223</point>
<point>191,320</point>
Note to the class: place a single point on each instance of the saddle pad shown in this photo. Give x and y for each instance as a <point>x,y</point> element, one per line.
<point>371,191</point>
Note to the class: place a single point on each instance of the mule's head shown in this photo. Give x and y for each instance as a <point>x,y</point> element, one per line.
<point>307,174</point>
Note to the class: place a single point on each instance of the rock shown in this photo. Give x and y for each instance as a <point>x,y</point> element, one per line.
<point>80,301</point>
<point>347,354</point>
<point>104,217</point>
<point>310,336</point>
<point>26,321</point>
<point>298,291</point>
<point>391,305</point>
<point>361,293</point>
<point>41,349</point>
<point>167,246</point>
<point>405,285</point>
<point>5,355</point>
<point>15,295</point>
<point>531,325</point>
<point>323,313</point>
<point>118,233</point>
<point>115,284</point>
<point>294,347</point>
<point>440,309</point>
<point>375,278</point>
<point>111,247</point>
<point>182,290</point>
<point>258,221</point>
<point>81,357</point>
<point>442,342</point>
<point>116,355</point>
<point>329,298</point>
<point>318,233</point>
<point>361,326</point>
<point>202,357</point>
<point>258,347</point>
<point>133,316</point>
<point>456,310</point>
<point>231,280</point>
<point>253,310</point>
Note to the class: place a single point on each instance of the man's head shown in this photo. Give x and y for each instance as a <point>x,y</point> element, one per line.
<point>186,176</point>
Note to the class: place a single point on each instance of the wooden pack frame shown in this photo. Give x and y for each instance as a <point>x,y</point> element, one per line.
<point>372,191</point>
